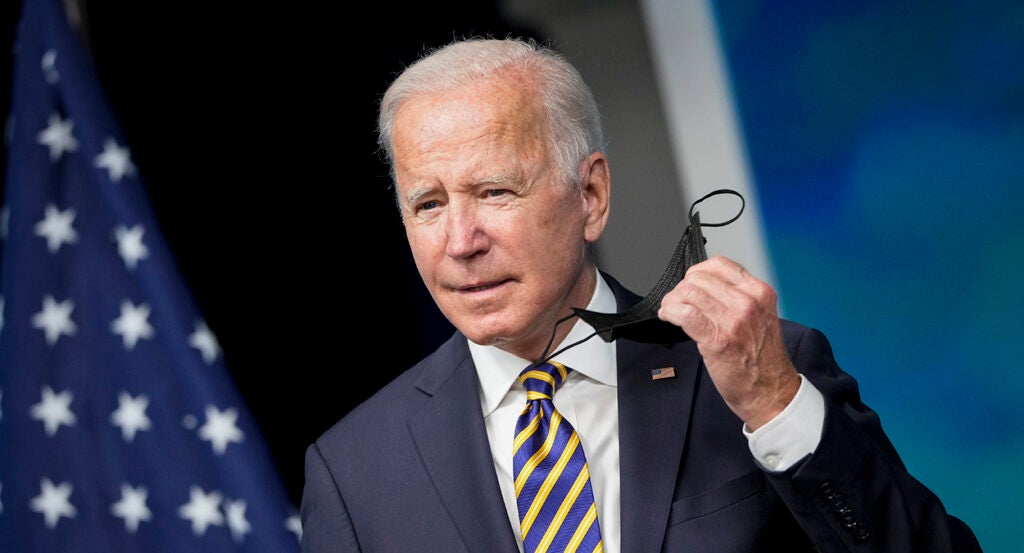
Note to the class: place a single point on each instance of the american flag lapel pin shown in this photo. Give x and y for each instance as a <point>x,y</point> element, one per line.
<point>662,373</point>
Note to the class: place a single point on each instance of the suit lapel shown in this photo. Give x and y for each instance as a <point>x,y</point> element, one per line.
<point>654,416</point>
<point>452,442</point>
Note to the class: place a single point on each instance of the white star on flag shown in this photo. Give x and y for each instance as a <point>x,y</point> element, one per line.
<point>132,324</point>
<point>203,510</point>
<point>132,507</point>
<point>56,227</point>
<point>204,340</point>
<point>130,246</point>
<point>116,160</point>
<point>130,415</point>
<point>48,64</point>
<point>54,410</point>
<point>220,428</point>
<point>57,136</point>
<point>53,502</point>
<point>239,526</point>
<point>55,319</point>
<point>294,525</point>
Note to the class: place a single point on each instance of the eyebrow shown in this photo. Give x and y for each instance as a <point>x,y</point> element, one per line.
<point>499,178</point>
<point>419,192</point>
<point>415,194</point>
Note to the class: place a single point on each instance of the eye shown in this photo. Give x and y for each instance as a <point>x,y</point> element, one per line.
<point>426,206</point>
<point>496,192</point>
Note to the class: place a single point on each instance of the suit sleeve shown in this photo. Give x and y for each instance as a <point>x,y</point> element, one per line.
<point>854,492</point>
<point>326,524</point>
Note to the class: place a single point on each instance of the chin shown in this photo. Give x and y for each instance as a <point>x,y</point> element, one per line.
<point>505,338</point>
<point>488,339</point>
<point>486,328</point>
<point>497,337</point>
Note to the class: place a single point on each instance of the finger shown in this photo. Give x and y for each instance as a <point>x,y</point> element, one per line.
<point>717,314</point>
<point>732,283</point>
<point>702,305</point>
<point>715,290</point>
<point>692,319</point>
<point>723,268</point>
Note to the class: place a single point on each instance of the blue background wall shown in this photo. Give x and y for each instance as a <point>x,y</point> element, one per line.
<point>886,141</point>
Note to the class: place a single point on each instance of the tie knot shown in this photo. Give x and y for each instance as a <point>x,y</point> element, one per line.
<point>541,381</point>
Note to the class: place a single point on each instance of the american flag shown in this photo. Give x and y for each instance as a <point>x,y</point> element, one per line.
<point>120,427</point>
<point>664,372</point>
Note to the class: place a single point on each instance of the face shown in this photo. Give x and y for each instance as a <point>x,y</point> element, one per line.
<point>499,241</point>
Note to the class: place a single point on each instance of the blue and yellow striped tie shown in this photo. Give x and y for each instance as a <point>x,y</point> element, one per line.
<point>556,504</point>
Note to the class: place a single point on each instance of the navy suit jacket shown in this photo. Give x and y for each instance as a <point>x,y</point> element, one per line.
<point>410,469</point>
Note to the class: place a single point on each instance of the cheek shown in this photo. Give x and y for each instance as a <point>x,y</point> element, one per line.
<point>557,226</point>
<point>425,246</point>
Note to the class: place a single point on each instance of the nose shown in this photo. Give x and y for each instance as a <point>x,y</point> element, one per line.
<point>466,236</point>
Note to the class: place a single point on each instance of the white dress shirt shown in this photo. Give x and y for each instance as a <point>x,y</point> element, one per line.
<point>588,399</point>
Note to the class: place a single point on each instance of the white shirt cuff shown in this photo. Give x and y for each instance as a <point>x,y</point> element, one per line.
<point>791,435</point>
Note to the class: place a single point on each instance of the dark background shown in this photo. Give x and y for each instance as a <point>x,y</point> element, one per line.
<point>253,127</point>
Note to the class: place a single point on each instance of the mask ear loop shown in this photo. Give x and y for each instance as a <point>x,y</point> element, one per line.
<point>544,358</point>
<point>743,205</point>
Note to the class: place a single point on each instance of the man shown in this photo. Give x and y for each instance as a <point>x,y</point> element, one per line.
<point>745,436</point>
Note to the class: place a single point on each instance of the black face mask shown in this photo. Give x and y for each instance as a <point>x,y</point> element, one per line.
<point>640,322</point>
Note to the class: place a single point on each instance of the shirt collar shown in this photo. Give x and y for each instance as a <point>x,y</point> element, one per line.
<point>498,369</point>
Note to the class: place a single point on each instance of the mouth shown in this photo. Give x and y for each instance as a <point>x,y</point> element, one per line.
<point>482,287</point>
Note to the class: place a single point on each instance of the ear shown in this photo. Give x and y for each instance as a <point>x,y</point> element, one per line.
<point>596,189</point>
